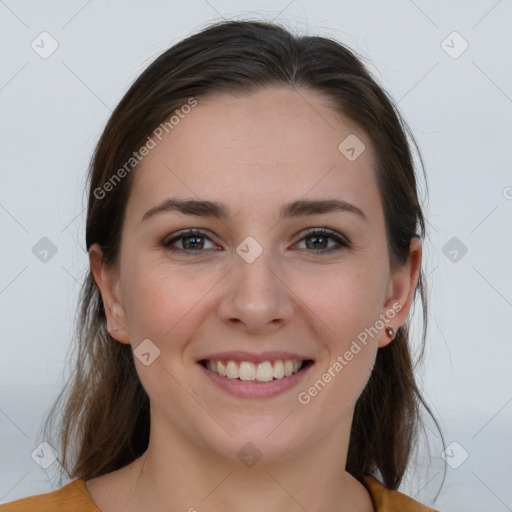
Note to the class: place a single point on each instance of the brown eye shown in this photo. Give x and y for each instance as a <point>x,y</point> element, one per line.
<point>190,242</point>
<point>318,240</point>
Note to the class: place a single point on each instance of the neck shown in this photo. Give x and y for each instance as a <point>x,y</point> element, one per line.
<point>174,474</point>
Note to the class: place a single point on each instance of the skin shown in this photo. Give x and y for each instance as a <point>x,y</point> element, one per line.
<point>252,154</point>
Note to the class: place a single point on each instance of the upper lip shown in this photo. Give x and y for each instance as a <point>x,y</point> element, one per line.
<point>241,355</point>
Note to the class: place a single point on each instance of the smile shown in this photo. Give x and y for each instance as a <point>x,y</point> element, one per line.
<point>264,371</point>
<point>261,378</point>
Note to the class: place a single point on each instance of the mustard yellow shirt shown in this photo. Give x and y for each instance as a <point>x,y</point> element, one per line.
<point>74,497</point>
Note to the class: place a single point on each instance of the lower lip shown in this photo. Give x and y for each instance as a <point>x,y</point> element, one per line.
<point>251,389</point>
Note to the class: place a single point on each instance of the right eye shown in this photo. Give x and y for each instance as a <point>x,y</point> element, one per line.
<point>192,242</point>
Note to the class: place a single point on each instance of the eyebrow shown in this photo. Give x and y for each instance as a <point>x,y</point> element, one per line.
<point>297,208</point>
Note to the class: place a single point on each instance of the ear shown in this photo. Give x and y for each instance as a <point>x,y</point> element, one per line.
<point>400,292</point>
<point>107,280</point>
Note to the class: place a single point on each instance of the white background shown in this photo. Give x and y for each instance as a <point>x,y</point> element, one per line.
<point>460,110</point>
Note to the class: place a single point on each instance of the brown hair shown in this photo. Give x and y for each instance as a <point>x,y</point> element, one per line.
<point>105,419</point>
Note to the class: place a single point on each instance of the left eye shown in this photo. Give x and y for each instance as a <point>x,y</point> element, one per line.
<point>320,237</point>
<point>192,241</point>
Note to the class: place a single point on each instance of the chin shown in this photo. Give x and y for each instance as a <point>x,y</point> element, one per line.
<point>265,442</point>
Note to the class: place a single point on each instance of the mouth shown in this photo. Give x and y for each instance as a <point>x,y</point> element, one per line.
<point>256,372</point>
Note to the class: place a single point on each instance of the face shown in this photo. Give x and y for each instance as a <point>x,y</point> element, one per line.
<point>263,283</point>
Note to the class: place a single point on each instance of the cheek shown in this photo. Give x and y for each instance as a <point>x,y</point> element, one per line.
<point>348,310</point>
<point>346,301</point>
<point>160,301</point>
<point>348,304</point>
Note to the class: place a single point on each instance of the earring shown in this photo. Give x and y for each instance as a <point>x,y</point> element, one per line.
<point>116,328</point>
<point>390,332</point>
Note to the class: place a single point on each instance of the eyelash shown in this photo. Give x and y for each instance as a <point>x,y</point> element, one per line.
<point>343,242</point>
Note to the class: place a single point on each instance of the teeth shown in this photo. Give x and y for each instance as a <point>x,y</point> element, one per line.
<point>232,370</point>
<point>248,371</point>
<point>221,369</point>
<point>278,370</point>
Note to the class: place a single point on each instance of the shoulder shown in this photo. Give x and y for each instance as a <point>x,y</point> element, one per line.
<point>386,500</point>
<point>73,497</point>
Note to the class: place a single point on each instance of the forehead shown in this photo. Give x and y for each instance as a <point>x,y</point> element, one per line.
<point>273,145</point>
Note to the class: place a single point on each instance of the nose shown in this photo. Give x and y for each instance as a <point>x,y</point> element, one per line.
<point>256,296</point>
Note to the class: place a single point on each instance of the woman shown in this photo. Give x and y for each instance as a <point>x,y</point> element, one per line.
<point>254,235</point>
